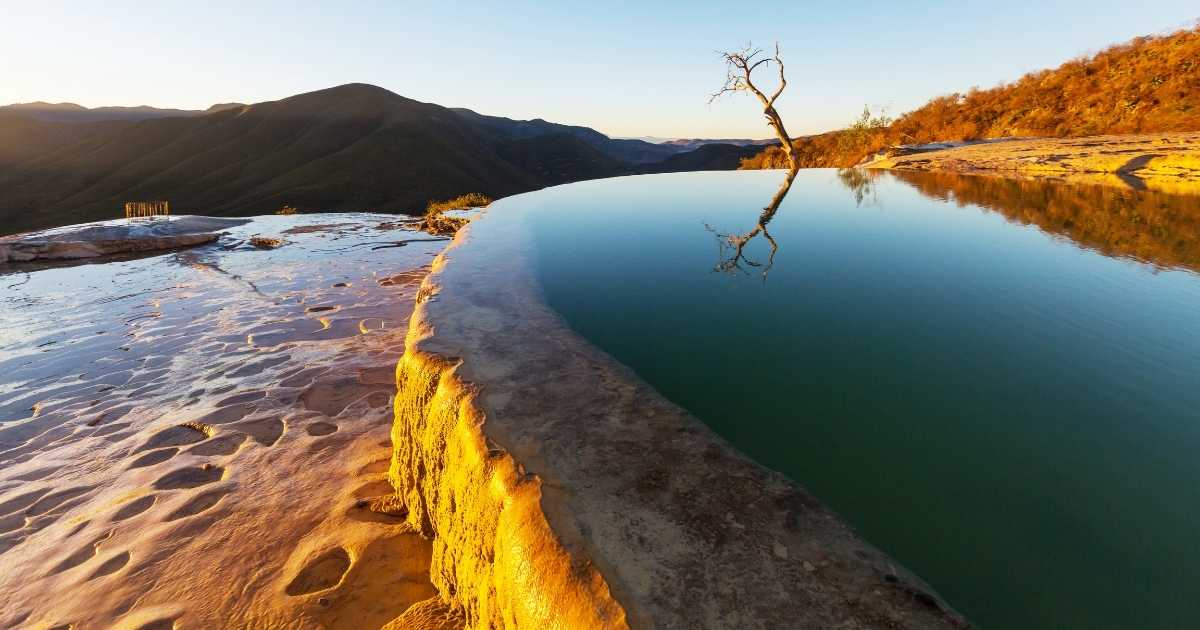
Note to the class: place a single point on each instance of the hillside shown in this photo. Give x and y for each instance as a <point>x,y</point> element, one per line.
<point>348,147</point>
<point>353,147</point>
<point>22,137</point>
<point>705,157</point>
<point>696,143</point>
<point>72,113</point>
<point>624,150</point>
<point>1147,85</point>
<point>558,158</point>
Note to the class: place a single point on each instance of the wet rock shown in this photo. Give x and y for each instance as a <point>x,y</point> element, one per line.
<point>112,237</point>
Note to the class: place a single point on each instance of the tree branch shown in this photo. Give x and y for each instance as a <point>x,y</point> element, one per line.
<point>740,67</point>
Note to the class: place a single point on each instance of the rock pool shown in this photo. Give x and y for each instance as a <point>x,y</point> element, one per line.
<point>997,382</point>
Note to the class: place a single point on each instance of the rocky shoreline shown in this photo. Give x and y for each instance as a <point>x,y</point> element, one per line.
<point>1167,162</point>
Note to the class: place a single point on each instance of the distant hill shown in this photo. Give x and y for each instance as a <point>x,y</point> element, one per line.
<point>625,150</point>
<point>695,143</point>
<point>222,106</point>
<point>708,157</point>
<point>558,157</point>
<point>72,113</point>
<point>1147,85</point>
<point>352,147</point>
<point>22,138</point>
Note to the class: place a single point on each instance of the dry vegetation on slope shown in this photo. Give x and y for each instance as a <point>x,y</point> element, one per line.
<point>1148,85</point>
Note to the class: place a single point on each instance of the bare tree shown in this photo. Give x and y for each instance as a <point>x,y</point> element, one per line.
<point>739,71</point>
<point>740,67</point>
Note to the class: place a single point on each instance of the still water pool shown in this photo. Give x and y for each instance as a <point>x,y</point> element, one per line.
<point>997,382</point>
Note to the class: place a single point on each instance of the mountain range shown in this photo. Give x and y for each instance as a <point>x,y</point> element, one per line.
<point>72,113</point>
<point>351,147</point>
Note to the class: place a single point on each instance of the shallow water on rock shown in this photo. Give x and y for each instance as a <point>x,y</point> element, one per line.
<point>995,381</point>
<point>185,435</point>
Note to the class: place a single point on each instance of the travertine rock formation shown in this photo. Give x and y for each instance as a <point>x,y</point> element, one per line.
<point>113,237</point>
<point>561,491</point>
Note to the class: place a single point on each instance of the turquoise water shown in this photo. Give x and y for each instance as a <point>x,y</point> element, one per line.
<point>998,383</point>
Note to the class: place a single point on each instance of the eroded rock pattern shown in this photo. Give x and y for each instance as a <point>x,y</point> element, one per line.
<point>185,444</point>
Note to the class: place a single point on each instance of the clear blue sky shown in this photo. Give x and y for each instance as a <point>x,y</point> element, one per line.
<point>628,69</point>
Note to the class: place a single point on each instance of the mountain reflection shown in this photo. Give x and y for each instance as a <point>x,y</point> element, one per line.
<point>1157,228</point>
<point>732,245</point>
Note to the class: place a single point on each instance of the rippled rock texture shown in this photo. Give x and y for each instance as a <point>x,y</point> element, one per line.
<point>199,439</point>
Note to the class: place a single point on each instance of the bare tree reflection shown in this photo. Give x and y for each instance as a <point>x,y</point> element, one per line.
<point>732,246</point>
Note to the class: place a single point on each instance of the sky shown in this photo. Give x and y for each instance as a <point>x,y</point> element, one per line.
<point>626,68</point>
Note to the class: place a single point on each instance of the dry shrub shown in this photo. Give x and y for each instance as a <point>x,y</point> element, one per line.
<point>265,242</point>
<point>435,220</point>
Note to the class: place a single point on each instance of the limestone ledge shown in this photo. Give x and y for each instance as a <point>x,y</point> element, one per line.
<point>561,491</point>
<point>91,240</point>
<point>1164,162</point>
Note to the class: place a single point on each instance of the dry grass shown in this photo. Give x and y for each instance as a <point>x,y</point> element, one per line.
<point>469,200</point>
<point>435,220</point>
<point>1150,84</point>
<point>265,242</point>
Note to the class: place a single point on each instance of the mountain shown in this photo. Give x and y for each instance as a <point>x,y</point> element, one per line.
<point>624,150</point>
<point>694,143</point>
<point>1146,85</point>
<point>352,147</point>
<point>72,113</point>
<point>691,144</point>
<point>22,137</point>
<point>708,157</point>
<point>558,158</point>
<point>222,106</point>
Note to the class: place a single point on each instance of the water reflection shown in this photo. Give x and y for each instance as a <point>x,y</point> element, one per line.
<point>1157,228</point>
<point>731,246</point>
<point>861,182</point>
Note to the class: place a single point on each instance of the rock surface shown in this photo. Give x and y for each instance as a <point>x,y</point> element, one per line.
<point>1168,162</point>
<point>200,439</point>
<point>562,491</point>
<point>105,238</point>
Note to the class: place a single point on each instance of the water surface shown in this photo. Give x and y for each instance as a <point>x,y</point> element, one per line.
<point>996,382</point>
